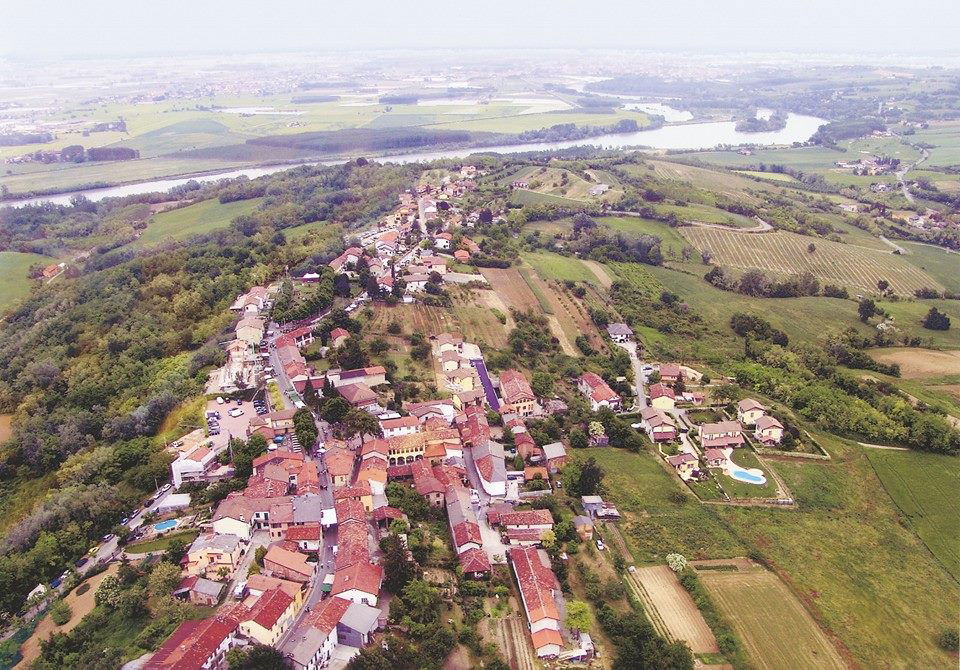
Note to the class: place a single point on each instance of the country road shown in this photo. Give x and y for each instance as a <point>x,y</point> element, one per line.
<point>901,174</point>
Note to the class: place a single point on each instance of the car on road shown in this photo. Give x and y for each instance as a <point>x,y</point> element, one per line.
<point>82,561</point>
<point>600,545</point>
<point>124,521</point>
<point>108,537</point>
<point>165,488</point>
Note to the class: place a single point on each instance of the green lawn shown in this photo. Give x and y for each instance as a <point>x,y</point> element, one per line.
<point>554,266</point>
<point>907,315</point>
<point>525,197</point>
<point>161,543</point>
<point>745,458</point>
<point>942,265</point>
<point>14,283</point>
<point>203,217</point>
<point>924,487</point>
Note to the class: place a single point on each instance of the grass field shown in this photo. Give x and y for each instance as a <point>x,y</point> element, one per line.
<point>655,524</point>
<point>908,314</point>
<point>920,363</point>
<point>522,196</point>
<point>776,630</point>
<point>550,181</point>
<point>314,229</point>
<point>203,217</point>
<point>706,214</point>
<point>942,265</point>
<point>783,253</point>
<point>946,140</point>
<point>745,458</point>
<point>561,268</point>
<point>924,487</point>
<point>772,176</point>
<point>672,243</point>
<point>846,549</point>
<point>14,283</point>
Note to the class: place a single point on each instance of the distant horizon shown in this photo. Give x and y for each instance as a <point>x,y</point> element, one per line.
<point>44,30</point>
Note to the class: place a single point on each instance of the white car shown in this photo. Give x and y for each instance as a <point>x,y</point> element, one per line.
<point>236,411</point>
<point>600,545</point>
<point>219,400</point>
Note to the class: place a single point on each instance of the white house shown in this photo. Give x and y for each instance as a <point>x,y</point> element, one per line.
<point>749,410</point>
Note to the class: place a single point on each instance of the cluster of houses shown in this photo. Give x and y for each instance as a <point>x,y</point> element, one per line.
<point>390,251</point>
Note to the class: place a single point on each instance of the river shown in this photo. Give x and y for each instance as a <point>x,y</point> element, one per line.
<point>704,135</point>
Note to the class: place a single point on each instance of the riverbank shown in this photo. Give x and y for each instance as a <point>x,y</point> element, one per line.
<point>680,135</point>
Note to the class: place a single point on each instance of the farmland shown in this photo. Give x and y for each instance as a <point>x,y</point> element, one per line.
<point>920,363</point>
<point>14,283</point>
<point>562,183</point>
<point>475,321</point>
<point>783,253</point>
<point>202,217</point>
<point>924,487</point>
<point>555,266</point>
<point>705,214</point>
<point>844,550</point>
<point>776,630</point>
<point>772,176</point>
<point>672,243</point>
<point>942,265</point>
<point>676,608</point>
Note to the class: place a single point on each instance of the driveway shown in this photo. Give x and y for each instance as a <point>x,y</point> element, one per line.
<point>639,377</point>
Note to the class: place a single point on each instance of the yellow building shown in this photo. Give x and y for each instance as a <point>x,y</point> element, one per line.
<point>214,556</point>
<point>269,617</point>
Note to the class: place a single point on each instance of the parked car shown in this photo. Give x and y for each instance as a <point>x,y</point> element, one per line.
<point>124,521</point>
<point>600,545</point>
<point>236,411</point>
<point>165,488</point>
<point>56,583</point>
<point>108,537</point>
<point>219,400</point>
<point>82,561</point>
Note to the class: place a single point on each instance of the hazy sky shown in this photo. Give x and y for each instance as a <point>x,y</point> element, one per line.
<point>128,27</point>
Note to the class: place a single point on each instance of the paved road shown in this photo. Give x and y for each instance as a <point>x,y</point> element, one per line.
<point>902,173</point>
<point>639,377</point>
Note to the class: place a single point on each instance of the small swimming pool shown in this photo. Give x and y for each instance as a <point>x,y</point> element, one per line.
<point>751,476</point>
<point>165,525</point>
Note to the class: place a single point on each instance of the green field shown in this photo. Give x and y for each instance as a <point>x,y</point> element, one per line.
<point>845,550</point>
<point>655,524</point>
<point>14,283</point>
<point>745,458</point>
<point>907,315</point>
<point>924,487</point>
<point>942,265</point>
<point>672,243</point>
<point>315,230</point>
<point>706,214</point>
<point>562,268</point>
<point>772,176</point>
<point>203,217</point>
<point>522,196</point>
<point>946,140</point>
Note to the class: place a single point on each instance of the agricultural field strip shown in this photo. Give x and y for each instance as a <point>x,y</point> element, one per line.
<point>781,253</point>
<point>676,608</point>
<point>776,630</point>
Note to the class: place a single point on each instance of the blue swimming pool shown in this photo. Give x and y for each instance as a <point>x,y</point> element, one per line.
<point>752,476</point>
<point>165,525</point>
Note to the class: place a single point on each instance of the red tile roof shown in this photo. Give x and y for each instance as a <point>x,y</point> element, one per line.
<point>514,387</point>
<point>536,581</point>
<point>533,517</point>
<point>192,644</point>
<point>269,608</point>
<point>308,531</point>
<point>474,560</point>
<point>661,390</point>
<point>364,577</point>
<point>289,560</point>
<point>328,614</point>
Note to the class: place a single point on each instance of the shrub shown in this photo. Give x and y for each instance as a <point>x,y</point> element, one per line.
<point>948,640</point>
<point>60,613</point>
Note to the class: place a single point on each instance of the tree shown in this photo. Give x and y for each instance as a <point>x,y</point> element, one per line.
<point>163,579</point>
<point>866,309</point>
<point>578,616</point>
<point>542,383</point>
<point>882,285</point>
<point>422,599</point>
<point>578,439</point>
<point>175,551</point>
<point>60,612</point>
<point>257,657</point>
<point>949,640</point>
<point>811,248</point>
<point>358,422</point>
<point>259,554</point>
<point>397,570</point>
<point>936,320</point>
<point>351,355</point>
<point>548,539</point>
<point>677,562</point>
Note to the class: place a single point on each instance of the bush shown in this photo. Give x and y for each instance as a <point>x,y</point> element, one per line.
<point>83,588</point>
<point>60,613</point>
<point>948,640</point>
